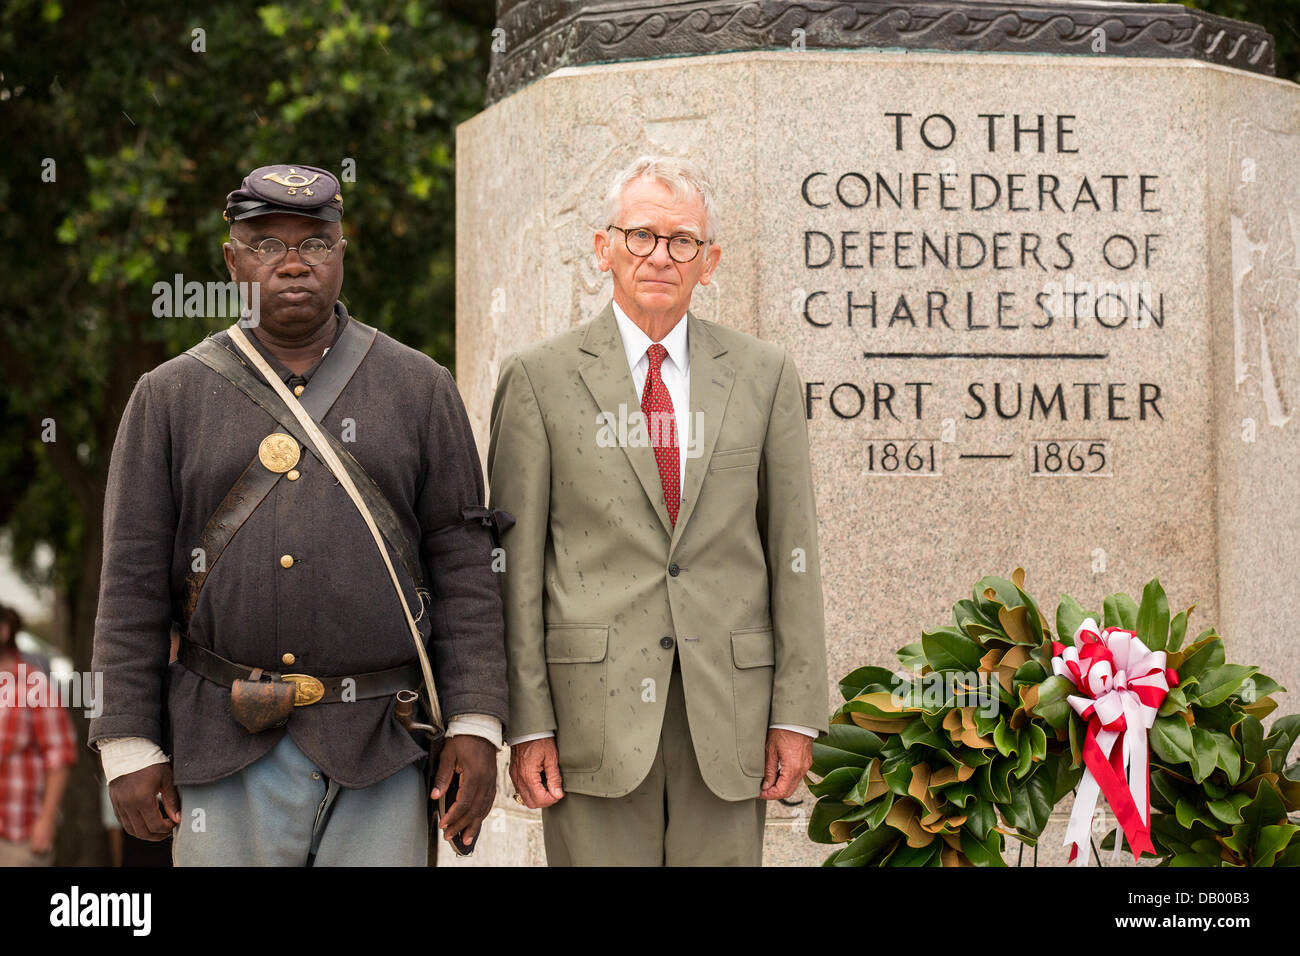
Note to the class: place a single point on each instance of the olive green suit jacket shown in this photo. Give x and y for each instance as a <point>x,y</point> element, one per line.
<point>601,589</point>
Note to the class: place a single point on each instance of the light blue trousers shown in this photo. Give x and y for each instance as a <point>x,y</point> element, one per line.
<point>283,811</point>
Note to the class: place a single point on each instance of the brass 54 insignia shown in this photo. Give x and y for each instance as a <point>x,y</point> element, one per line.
<point>294,181</point>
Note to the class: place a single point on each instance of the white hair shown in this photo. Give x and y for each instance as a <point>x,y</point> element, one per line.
<point>683,178</point>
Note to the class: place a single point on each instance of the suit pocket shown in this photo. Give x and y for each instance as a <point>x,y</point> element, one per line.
<point>753,652</point>
<point>576,667</point>
<point>737,458</point>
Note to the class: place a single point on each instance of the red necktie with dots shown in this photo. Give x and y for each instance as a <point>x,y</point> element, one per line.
<point>657,407</point>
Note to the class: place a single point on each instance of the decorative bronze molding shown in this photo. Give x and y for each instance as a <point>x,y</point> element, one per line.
<point>540,36</point>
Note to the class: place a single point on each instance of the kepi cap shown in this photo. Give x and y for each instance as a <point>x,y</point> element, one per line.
<point>298,190</point>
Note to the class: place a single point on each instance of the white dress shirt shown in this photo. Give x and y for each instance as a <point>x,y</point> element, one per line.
<point>676,374</point>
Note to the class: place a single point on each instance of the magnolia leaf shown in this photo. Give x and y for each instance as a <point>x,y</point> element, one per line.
<point>1153,617</point>
<point>1050,701</point>
<point>1205,654</point>
<point>1025,758</point>
<point>1261,686</point>
<point>866,847</point>
<point>1031,805</point>
<point>1015,621</point>
<point>879,809</point>
<point>1229,810</point>
<point>1004,593</point>
<point>966,613</point>
<point>980,818</point>
<point>836,783</point>
<point>903,817</point>
<point>1189,812</point>
<point>1261,708</point>
<point>948,649</point>
<point>982,851</point>
<point>911,656</point>
<point>1229,756</point>
<point>919,788</point>
<point>864,678</point>
<point>1216,684</point>
<point>1264,810</point>
<point>1271,841</point>
<point>1076,730</point>
<point>1175,702</point>
<point>1037,625</point>
<point>1168,835</point>
<point>1037,742</point>
<point>1120,611</point>
<point>898,773</point>
<point>1178,630</point>
<point>919,733</point>
<point>1004,738</point>
<point>1281,738</point>
<point>846,745</point>
<point>869,785</point>
<point>906,855</point>
<point>1164,787</point>
<point>878,725</point>
<point>1031,672</point>
<point>1069,615</point>
<point>1171,739</point>
<point>1250,734</point>
<point>824,813</point>
<point>1205,753</point>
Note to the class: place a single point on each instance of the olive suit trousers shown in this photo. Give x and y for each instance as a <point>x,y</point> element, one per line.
<point>671,819</point>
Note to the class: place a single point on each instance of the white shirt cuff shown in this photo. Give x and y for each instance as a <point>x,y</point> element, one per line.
<point>123,755</point>
<point>806,731</point>
<point>527,737</point>
<point>477,725</point>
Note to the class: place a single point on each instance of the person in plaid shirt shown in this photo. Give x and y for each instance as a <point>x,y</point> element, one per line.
<point>37,746</point>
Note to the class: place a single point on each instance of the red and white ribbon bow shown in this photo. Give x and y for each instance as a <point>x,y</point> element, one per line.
<point>1121,685</point>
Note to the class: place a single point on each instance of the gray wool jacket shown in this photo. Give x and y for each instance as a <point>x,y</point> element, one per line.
<point>184,439</point>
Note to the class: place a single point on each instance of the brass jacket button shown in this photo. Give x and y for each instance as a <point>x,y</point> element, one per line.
<point>288,659</point>
<point>286,561</point>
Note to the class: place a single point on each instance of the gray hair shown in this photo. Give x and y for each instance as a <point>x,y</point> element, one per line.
<point>683,178</point>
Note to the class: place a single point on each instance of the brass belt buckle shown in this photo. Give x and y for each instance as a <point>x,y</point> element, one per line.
<point>306,689</point>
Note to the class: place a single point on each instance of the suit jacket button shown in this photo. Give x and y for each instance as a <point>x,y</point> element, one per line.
<point>674,570</point>
<point>665,642</point>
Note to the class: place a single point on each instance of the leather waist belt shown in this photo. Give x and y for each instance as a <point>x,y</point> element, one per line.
<point>308,690</point>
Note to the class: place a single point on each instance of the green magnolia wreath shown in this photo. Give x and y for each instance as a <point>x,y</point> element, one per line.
<point>976,741</point>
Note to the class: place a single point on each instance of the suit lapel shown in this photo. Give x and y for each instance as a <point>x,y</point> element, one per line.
<point>609,380</point>
<point>711,383</point>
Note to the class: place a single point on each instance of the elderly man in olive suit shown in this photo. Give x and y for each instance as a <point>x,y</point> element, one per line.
<point>664,628</point>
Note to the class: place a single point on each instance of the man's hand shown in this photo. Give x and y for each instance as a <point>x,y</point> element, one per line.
<point>535,770</point>
<point>789,755</point>
<point>475,760</point>
<point>135,801</point>
<point>42,840</point>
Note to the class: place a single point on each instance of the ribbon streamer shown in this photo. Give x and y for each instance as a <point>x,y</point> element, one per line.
<point>1121,685</point>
